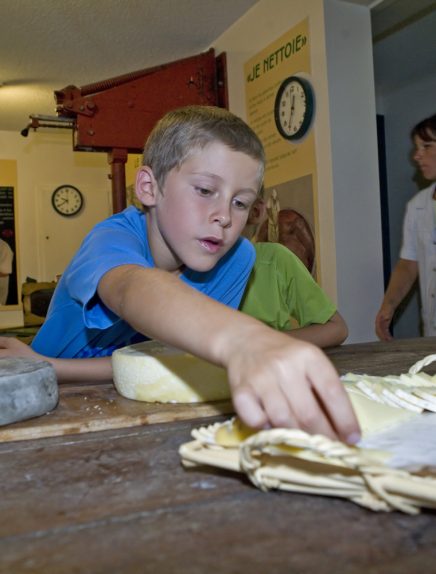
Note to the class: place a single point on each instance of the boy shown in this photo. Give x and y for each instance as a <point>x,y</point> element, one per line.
<point>158,272</point>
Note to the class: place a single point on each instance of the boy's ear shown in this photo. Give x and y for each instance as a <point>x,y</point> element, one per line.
<point>257,212</point>
<point>146,188</point>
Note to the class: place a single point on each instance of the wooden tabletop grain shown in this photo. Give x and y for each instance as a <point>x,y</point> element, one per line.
<point>119,501</point>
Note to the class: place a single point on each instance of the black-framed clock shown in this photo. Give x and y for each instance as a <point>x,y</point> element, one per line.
<point>294,107</point>
<point>67,200</point>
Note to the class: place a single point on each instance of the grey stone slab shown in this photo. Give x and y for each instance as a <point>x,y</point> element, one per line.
<point>28,388</point>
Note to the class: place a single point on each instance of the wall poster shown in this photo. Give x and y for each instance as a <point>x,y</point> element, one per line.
<point>290,177</point>
<point>9,292</point>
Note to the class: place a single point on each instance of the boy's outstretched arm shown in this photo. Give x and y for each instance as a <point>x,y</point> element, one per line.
<point>329,334</point>
<point>275,380</point>
<point>95,369</point>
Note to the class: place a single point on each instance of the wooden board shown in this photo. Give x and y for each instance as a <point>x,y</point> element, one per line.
<point>120,501</point>
<point>85,407</point>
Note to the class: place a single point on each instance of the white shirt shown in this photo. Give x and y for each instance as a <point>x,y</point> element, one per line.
<point>419,244</point>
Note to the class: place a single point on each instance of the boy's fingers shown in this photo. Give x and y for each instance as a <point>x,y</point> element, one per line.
<point>338,407</point>
<point>249,409</point>
<point>279,410</point>
<point>304,410</point>
<point>310,416</point>
<point>312,399</point>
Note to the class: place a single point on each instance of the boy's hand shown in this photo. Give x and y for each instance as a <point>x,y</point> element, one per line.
<point>275,379</point>
<point>289,383</point>
<point>11,347</point>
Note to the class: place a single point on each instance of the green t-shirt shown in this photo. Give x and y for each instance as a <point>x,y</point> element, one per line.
<point>281,287</point>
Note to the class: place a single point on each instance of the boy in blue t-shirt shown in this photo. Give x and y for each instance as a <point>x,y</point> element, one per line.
<point>174,271</point>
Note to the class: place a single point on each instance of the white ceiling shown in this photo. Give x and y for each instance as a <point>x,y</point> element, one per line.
<point>46,45</point>
<point>49,44</point>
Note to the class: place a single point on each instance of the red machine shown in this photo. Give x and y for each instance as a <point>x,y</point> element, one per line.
<point>116,115</point>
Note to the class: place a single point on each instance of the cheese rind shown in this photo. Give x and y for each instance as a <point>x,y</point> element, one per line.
<point>154,372</point>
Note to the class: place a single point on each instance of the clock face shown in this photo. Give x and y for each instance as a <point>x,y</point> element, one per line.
<point>293,108</point>
<point>67,200</point>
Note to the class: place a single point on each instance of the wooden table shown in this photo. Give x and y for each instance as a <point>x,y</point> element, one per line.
<point>119,501</point>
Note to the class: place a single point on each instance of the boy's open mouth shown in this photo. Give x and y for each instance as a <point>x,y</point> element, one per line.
<point>212,244</point>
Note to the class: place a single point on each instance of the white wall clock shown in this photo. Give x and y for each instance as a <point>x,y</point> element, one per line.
<point>294,108</point>
<point>67,200</point>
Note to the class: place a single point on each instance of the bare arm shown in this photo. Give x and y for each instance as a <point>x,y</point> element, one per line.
<point>329,334</point>
<point>275,379</point>
<point>402,279</point>
<point>94,369</point>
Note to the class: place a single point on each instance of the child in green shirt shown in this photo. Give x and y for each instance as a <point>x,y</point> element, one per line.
<point>282,293</point>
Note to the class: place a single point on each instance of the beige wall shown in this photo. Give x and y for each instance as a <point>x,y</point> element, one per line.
<point>348,202</point>
<point>264,23</point>
<point>45,161</point>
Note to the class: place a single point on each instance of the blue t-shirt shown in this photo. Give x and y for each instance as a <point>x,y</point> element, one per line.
<point>79,325</point>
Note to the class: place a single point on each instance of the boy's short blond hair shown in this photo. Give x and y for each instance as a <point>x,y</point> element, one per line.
<point>184,130</point>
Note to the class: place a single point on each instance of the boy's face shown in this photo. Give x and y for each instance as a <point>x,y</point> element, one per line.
<point>202,209</point>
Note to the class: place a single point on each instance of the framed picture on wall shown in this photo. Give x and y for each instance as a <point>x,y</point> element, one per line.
<point>8,248</point>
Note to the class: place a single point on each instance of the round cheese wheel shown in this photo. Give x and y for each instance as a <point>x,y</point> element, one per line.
<point>155,372</point>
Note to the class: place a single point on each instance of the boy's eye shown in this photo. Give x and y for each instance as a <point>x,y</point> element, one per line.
<point>240,204</point>
<point>203,191</point>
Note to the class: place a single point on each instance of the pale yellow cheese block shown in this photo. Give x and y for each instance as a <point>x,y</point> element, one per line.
<point>154,372</point>
<point>373,416</point>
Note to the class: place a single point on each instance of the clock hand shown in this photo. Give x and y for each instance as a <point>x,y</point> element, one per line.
<point>292,110</point>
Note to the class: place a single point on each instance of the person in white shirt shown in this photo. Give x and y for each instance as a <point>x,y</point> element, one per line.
<point>418,251</point>
<point>6,259</point>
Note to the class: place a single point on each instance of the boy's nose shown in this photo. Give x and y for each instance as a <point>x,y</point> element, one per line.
<point>223,217</point>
